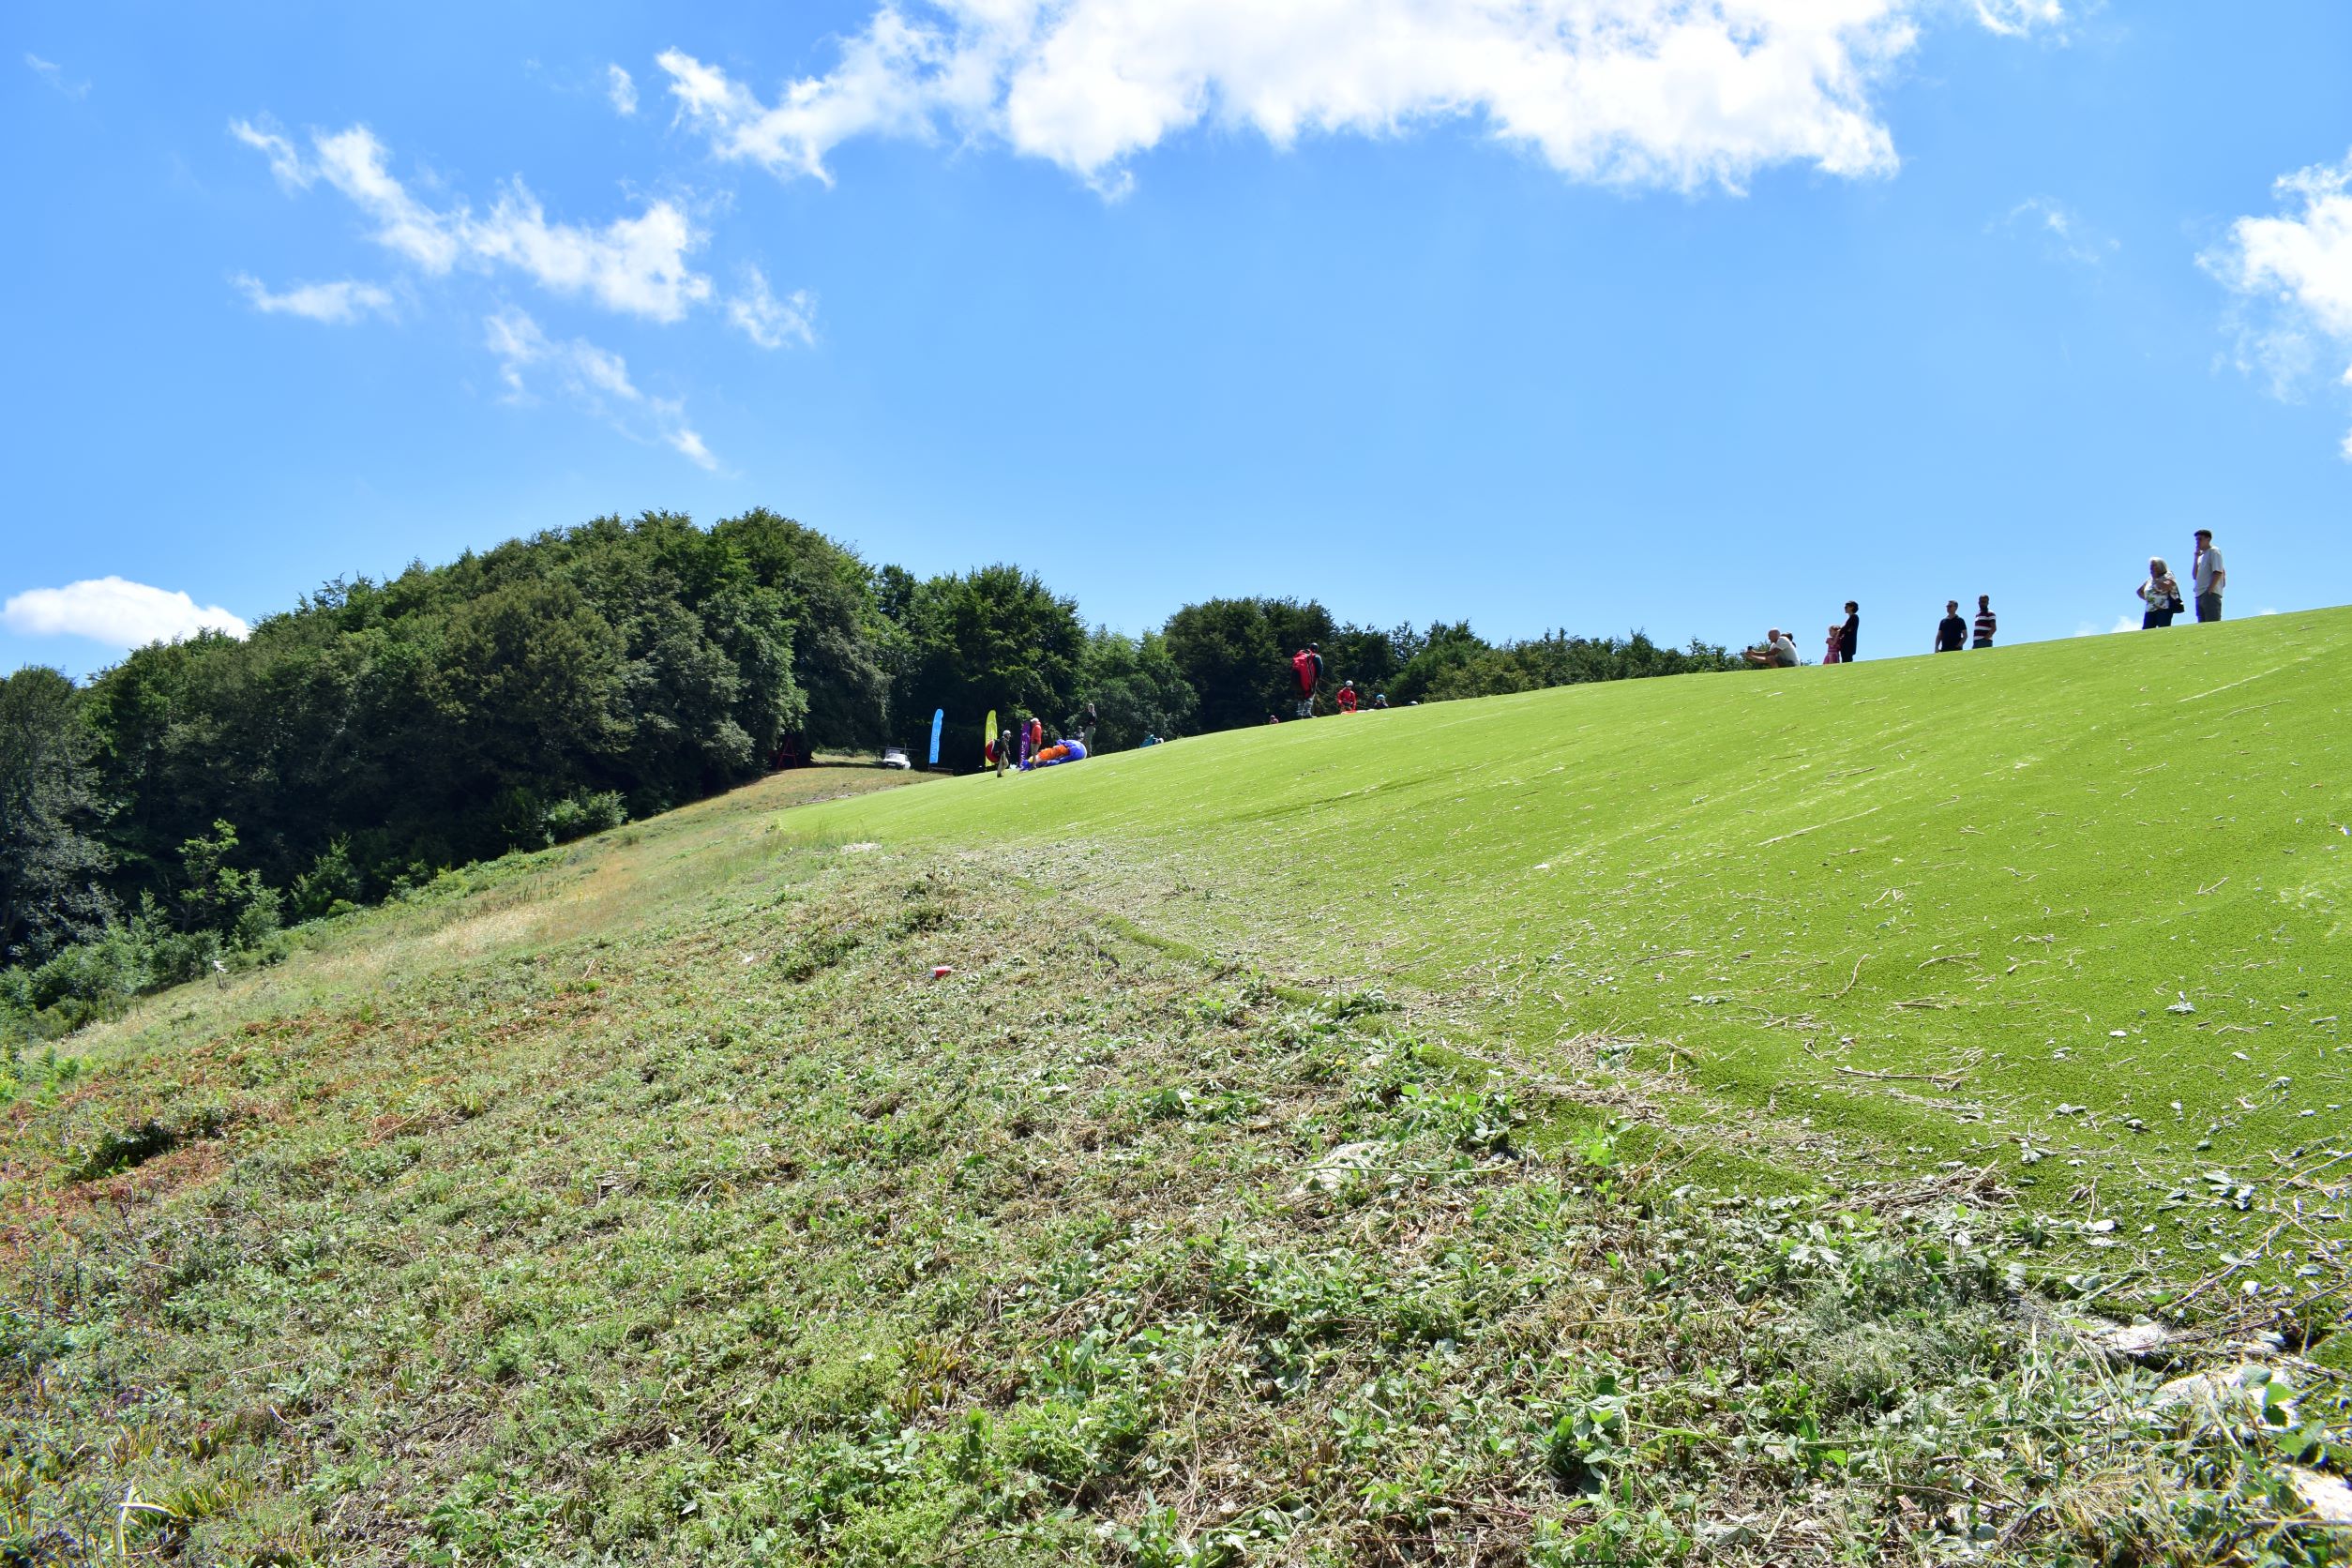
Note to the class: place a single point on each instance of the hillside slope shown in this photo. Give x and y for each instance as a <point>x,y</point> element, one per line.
<point>1999,882</point>
<point>1380,1140</point>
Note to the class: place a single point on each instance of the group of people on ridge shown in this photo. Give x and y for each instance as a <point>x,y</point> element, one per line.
<point>2159,594</point>
<point>1307,668</point>
<point>1025,747</point>
<point>1953,634</point>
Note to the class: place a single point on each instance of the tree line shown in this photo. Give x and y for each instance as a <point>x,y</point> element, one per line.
<point>174,814</point>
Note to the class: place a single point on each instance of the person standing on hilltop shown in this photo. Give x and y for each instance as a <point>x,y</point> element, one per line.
<point>2209,577</point>
<point>1952,633</point>
<point>1307,666</point>
<point>1849,635</point>
<point>2161,594</point>
<point>1986,623</point>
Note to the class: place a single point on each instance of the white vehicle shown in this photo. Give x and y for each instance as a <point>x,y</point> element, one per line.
<point>895,757</point>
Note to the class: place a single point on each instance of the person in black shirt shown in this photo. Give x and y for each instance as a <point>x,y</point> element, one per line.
<point>1849,635</point>
<point>1952,633</point>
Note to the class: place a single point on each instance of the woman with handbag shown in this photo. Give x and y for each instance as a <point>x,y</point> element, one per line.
<point>2161,594</point>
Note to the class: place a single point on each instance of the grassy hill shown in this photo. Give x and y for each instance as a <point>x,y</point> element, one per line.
<point>1922,904</point>
<point>1698,1120</point>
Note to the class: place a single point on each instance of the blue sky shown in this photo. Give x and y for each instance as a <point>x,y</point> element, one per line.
<point>1702,321</point>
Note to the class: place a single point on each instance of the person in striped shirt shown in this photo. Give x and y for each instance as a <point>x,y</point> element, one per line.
<point>1985,625</point>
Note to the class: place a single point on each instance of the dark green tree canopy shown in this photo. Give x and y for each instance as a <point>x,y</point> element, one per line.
<point>843,645</point>
<point>1136,688</point>
<point>52,864</point>
<point>438,716</point>
<point>994,638</point>
<point>1236,654</point>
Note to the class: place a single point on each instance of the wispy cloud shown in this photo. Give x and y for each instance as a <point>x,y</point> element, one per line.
<point>2061,230</point>
<point>621,88</point>
<point>284,162</point>
<point>633,266</point>
<point>770,322</point>
<point>2016,17</point>
<point>2292,274</point>
<point>1678,92</point>
<point>116,612</point>
<point>595,379</point>
<point>639,266</point>
<point>54,74</point>
<point>334,303</point>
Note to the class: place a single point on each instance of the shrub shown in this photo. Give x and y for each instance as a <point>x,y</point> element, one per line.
<point>331,886</point>
<point>583,815</point>
<point>257,920</point>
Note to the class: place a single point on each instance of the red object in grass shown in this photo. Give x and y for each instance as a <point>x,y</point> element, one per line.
<point>941,972</point>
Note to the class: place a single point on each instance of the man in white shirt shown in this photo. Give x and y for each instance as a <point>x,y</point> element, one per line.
<point>2211,577</point>
<point>1778,652</point>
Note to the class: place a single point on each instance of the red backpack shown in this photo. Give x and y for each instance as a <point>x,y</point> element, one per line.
<point>1302,665</point>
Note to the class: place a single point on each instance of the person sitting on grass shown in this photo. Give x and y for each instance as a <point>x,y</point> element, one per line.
<point>1776,651</point>
<point>1346,698</point>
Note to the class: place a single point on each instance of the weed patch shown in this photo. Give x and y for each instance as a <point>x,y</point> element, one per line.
<point>125,1150</point>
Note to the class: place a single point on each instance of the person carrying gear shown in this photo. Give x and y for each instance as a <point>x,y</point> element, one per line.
<point>1308,665</point>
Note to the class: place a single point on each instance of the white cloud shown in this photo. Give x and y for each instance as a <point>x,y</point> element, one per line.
<point>596,379</point>
<point>634,266</point>
<point>621,89</point>
<point>2062,230</point>
<point>116,612</point>
<point>352,161</point>
<point>334,303</point>
<point>1679,93</point>
<point>284,162</point>
<point>2016,17</point>
<point>770,322</point>
<point>54,74</point>
<point>2292,273</point>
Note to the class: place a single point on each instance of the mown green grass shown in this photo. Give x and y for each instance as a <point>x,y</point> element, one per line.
<point>649,1200</point>
<point>1990,876</point>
